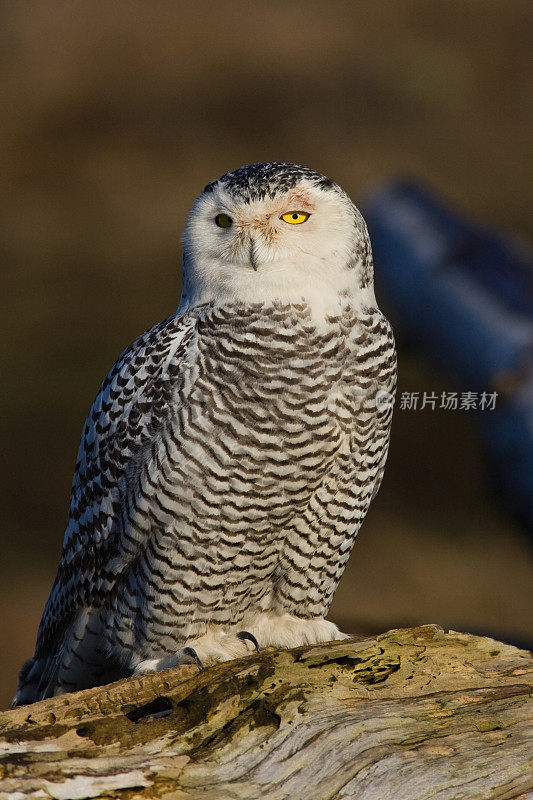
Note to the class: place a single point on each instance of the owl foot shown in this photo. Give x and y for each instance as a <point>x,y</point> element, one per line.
<point>247,636</point>
<point>187,655</point>
<point>211,648</point>
<point>287,630</point>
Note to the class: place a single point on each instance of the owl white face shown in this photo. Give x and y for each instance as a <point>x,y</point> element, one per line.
<point>282,242</point>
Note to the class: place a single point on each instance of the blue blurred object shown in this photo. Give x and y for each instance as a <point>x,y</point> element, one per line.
<point>463,296</point>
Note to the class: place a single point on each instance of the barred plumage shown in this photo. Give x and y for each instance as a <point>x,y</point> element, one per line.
<point>233,450</point>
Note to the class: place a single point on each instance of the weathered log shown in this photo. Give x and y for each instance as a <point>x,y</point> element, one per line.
<point>412,714</point>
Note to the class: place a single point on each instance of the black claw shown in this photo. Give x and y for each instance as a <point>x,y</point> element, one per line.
<point>246,635</point>
<point>194,655</point>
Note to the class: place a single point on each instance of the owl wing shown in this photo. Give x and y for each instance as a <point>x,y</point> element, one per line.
<point>387,382</point>
<point>132,405</point>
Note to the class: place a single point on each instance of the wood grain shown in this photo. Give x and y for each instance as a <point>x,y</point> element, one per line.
<point>414,713</point>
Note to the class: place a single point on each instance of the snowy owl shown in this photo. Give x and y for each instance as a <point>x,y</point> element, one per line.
<point>233,450</point>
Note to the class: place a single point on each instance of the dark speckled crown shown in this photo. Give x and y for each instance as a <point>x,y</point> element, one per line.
<point>258,181</point>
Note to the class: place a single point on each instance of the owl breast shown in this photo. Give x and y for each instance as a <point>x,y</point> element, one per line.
<point>277,398</point>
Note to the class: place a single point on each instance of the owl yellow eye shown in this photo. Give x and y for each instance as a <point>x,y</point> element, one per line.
<point>295,217</point>
<point>223,221</point>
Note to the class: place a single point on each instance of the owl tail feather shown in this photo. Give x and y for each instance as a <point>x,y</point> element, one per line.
<point>78,661</point>
<point>34,682</point>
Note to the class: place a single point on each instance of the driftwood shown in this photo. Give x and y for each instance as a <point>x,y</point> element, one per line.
<point>412,714</point>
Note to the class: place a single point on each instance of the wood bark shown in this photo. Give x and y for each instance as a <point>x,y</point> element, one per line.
<point>412,714</point>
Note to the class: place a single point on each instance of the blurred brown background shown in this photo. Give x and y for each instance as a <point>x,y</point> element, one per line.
<point>115,115</point>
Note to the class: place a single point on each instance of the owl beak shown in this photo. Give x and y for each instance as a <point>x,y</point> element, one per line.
<point>253,258</point>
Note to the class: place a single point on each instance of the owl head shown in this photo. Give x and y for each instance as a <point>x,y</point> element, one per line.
<point>275,231</point>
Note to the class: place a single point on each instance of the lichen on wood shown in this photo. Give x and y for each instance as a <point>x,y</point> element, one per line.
<point>412,714</point>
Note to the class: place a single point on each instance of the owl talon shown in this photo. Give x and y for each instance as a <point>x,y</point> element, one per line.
<point>189,651</point>
<point>247,636</point>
